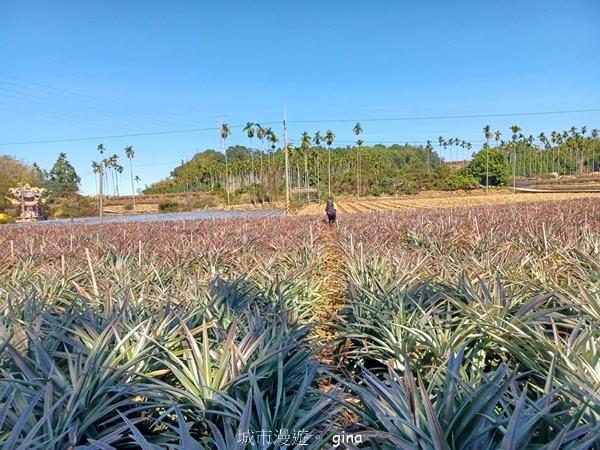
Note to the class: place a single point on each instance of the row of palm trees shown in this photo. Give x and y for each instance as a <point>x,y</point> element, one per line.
<point>568,152</point>
<point>254,129</point>
<point>111,164</point>
<point>523,151</point>
<point>564,153</point>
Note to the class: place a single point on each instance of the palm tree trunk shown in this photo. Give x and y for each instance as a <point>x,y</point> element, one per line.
<point>329,168</point>
<point>227,177</point>
<point>306,176</point>
<point>357,169</point>
<point>487,162</point>
<point>132,188</point>
<point>262,190</point>
<point>318,177</point>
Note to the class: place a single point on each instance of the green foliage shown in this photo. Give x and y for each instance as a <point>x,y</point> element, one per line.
<point>168,205</point>
<point>146,354</point>
<point>381,166</point>
<point>499,170</point>
<point>62,179</point>
<point>198,174</point>
<point>392,167</point>
<point>12,172</point>
<point>474,336</point>
<point>5,219</point>
<point>73,207</point>
<point>457,181</point>
<point>376,191</point>
<point>410,189</point>
<point>461,328</point>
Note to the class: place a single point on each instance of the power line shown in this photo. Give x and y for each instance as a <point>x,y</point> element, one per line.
<point>103,103</point>
<point>121,135</point>
<point>85,108</point>
<point>308,121</point>
<point>448,117</point>
<point>108,137</point>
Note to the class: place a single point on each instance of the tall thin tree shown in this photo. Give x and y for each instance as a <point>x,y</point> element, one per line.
<point>130,154</point>
<point>515,130</point>
<point>329,137</point>
<point>428,149</point>
<point>250,133</point>
<point>488,136</point>
<point>261,134</point>
<point>101,149</point>
<point>224,133</point>
<point>497,136</point>
<point>305,145</point>
<point>554,139</point>
<point>118,171</point>
<point>583,156</point>
<point>317,140</point>
<point>594,136</point>
<point>542,138</point>
<point>357,130</point>
<point>442,144</point>
<point>273,140</point>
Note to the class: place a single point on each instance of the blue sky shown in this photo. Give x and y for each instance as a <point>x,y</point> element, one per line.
<point>73,70</point>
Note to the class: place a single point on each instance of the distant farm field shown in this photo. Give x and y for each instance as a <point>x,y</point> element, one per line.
<point>425,327</point>
<point>348,205</point>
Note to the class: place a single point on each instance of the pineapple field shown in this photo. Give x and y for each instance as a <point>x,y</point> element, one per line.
<point>463,327</point>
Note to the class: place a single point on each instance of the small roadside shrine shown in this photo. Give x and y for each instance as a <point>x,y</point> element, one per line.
<point>29,200</point>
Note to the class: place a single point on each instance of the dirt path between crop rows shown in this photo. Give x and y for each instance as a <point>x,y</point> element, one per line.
<point>334,293</point>
<point>334,299</point>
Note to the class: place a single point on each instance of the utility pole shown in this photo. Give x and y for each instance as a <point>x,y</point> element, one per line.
<point>101,170</point>
<point>514,167</point>
<point>287,165</point>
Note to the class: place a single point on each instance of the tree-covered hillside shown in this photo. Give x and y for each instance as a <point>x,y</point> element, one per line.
<point>383,169</point>
<point>318,168</point>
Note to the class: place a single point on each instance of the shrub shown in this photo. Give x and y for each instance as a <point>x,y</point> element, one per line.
<point>168,206</point>
<point>5,218</point>
<point>376,191</point>
<point>494,162</point>
<point>455,182</point>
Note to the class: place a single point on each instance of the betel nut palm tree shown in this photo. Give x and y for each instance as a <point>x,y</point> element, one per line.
<point>329,137</point>
<point>515,130</point>
<point>104,162</point>
<point>488,136</point>
<point>594,134</point>
<point>261,134</point>
<point>317,141</point>
<point>429,149</point>
<point>101,149</point>
<point>249,130</point>
<point>357,130</point>
<point>224,133</point>
<point>273,140</point>
<point>305,145</point>
<point>130,154</point>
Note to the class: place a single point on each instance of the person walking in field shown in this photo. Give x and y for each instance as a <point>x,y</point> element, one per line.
<point>330,211</point>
